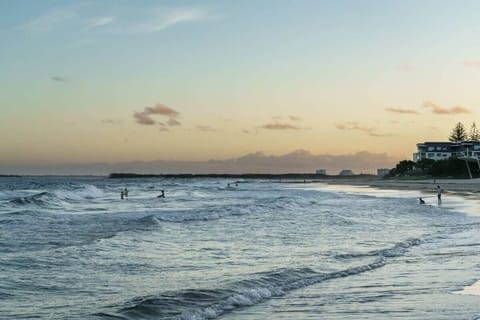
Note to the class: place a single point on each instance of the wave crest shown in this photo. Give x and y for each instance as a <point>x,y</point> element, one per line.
<point>197,304</point>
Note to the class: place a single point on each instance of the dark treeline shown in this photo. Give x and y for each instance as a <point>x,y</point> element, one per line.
<point>448,168</point>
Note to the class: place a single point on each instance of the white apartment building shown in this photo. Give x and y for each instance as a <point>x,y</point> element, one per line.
<point>469,150</point>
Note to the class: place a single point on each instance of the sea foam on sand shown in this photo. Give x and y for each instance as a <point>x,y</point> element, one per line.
<point>474,289</point>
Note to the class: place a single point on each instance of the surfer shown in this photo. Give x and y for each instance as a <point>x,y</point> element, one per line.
<point>421,201</point>
<point>161,195</point>
<point>122,195</point>
<point>125,192</point>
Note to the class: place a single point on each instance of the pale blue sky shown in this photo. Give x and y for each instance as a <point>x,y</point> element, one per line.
<point>230,68</point>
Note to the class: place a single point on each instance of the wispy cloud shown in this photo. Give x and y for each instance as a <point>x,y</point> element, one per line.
<point>100,22</point>
<point>353,125</point>
<point>118,19</point>
<point>472,63</point>
<point>58,79</point>
<point>111,121</point>
<point>145,117</point>
<point>167,18</point>
<point>294,118</point>
<point>163,127</point>
<point>280,126</point>
<point>162,109</point>
<point>441,110</point>
<point>49,20</point>
<point>205,128</point>
<point>400,110</point>
<point>173,122</point>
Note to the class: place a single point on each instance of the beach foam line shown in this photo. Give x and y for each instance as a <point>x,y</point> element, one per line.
<point>463,202</point>
<point>473,289</point>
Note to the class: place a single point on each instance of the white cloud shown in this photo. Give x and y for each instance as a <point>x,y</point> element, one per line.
<point>164,19</point>
<point>58,79</point>
<point>120,19</point>
<point>100,22</point>
<point>49,20</point>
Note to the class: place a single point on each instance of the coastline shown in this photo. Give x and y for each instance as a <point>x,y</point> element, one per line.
<point>466,187</point>
<point>457,188</point>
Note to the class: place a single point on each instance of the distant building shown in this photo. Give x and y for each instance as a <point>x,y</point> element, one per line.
<point>444,150</point>
<point>321,171</point>
<point>346,172</point>
<point>383,172</point>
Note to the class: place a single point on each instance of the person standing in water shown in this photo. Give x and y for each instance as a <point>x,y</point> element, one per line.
<point>122,195</point>
<point>439,194</point>
<point>125,192</point>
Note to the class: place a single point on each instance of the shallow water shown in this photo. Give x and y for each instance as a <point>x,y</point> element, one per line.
<point>72,249</point>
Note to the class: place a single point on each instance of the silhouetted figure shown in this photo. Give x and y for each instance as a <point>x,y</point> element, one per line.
<point>122,195</point>
<point>439,194</point>
<point>125,192</point>
<point>421,201</point>
<point>161,195</point>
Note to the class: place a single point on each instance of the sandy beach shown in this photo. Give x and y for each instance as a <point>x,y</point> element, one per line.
<point>467,187</point>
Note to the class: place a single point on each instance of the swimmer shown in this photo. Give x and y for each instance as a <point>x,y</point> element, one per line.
<point>161,195</point>
<point>421,201</point>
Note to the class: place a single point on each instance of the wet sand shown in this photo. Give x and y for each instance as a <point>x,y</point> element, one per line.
<point>470,187</point>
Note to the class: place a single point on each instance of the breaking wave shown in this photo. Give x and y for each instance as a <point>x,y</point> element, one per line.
<point>40,199</point>
<point>86,192</point>
<point>59,197</point>
<point>197,304</point>
<point>396,250</point>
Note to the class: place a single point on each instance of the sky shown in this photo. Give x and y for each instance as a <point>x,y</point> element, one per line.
<point>200,82</point>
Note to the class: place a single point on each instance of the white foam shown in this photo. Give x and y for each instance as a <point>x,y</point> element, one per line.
<point>465,204</point>
<point>473,289</point>
<point>87,192</point>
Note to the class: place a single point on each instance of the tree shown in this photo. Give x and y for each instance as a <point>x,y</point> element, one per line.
<point>474,133</point>
<point>458,133</point>
<point>402,168</point>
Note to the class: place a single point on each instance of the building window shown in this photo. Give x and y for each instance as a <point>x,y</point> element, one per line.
<point>430,155</point>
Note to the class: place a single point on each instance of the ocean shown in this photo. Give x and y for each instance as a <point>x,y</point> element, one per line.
<point>70,248</point>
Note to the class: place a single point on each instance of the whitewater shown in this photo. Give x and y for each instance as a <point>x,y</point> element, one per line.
<point>71,248</point>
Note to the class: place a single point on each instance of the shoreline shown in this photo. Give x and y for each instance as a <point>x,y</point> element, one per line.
<point>466,187</point>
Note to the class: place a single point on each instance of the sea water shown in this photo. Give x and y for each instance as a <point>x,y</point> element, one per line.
<point>71,248</point>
